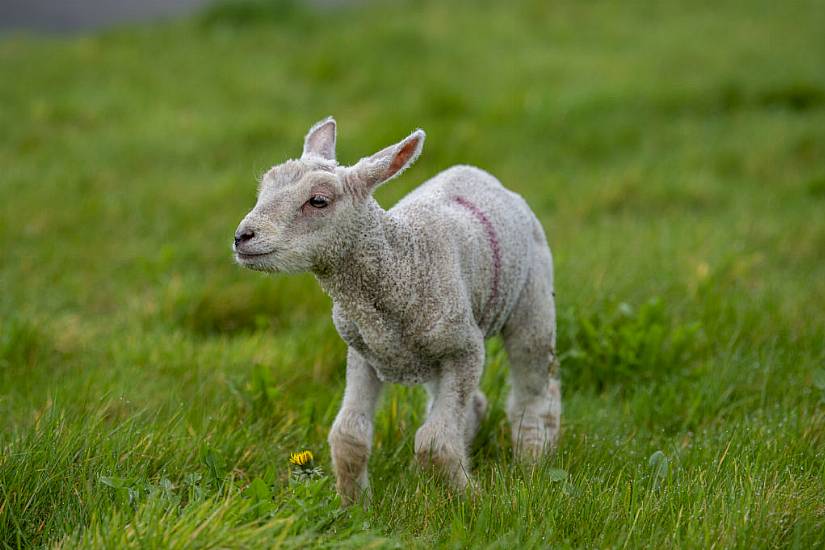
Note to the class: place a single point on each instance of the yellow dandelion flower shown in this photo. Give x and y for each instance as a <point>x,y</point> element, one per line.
<point>301,459</point>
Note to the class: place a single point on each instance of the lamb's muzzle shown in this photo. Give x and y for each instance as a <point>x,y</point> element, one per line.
<point>242,237</point>
<point>415,291</point>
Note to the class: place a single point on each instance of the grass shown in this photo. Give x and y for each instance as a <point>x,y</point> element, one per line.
<point>151,391</point>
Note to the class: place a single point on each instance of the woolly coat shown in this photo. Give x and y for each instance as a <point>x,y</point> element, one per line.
<point>436,274</point>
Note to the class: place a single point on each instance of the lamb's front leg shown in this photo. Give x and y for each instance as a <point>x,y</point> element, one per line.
<point>442,440</point>
<point>350,438</point>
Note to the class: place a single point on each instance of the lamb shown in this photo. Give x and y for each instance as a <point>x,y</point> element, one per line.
<point>416,290</point>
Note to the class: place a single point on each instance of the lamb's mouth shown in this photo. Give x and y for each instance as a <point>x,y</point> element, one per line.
<point>243,256</point>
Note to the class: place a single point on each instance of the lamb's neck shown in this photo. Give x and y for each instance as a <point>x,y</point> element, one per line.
<point>366,276</point>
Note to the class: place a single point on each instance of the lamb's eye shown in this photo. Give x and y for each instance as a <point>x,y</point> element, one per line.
<point>318,201</point>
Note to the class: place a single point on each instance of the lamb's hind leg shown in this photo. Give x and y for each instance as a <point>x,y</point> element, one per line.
<point>350,438</point>
<point>534,405</point>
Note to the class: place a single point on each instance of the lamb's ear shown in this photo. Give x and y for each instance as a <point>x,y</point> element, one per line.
<point>370,172</point>
<point>320,139</point>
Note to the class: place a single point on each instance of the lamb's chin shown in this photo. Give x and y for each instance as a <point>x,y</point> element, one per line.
<point>263,262</point>
<point>264,267</point>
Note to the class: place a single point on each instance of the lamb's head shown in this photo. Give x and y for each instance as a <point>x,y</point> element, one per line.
<point>311,210</point>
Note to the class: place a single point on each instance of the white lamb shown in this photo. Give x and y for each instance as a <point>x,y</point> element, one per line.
<point>416,290</point>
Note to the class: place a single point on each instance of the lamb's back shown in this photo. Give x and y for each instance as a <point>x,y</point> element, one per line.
<point>465,186</point>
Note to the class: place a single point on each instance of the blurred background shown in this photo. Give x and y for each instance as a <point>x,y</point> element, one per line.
<point>79,15</point>
<point>673,151</point>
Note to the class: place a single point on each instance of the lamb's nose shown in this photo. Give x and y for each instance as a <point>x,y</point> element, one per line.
<point>243,237</point>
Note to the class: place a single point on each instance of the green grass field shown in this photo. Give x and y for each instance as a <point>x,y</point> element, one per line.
<point>151,391</point>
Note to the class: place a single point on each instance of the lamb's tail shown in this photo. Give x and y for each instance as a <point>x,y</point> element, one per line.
<point>538,231</point>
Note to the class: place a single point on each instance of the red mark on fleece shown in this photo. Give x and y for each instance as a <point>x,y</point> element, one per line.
<point>495,248</point>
